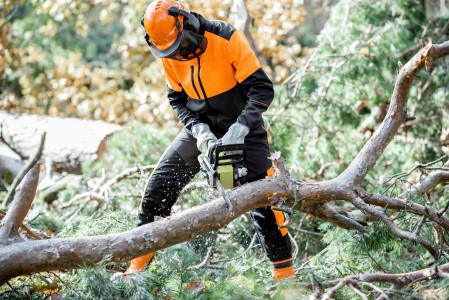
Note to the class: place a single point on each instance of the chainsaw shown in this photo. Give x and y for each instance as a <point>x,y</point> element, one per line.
<point>223,167</point>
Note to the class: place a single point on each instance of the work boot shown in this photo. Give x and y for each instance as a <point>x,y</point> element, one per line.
<point>284,270</point>
<point>139,264</point>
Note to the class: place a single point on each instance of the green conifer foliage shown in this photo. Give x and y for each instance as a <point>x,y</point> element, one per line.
<point>350,76</point>
<point>346,80</point>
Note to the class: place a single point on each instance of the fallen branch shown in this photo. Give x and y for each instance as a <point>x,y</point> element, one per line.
<point>9,228</point>
<point>410,206</point>
<point>81,252</point>
<point>396,115</point>
<point>100,195</point>
<point>399,280</point>
<point>32,232</point>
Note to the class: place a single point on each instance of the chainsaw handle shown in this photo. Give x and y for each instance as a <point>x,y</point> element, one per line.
<point>237,154</point>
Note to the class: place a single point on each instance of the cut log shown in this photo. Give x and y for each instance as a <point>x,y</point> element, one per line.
<point>70,141</point>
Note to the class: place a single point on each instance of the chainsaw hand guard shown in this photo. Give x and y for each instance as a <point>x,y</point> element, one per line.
<point>224,163</point>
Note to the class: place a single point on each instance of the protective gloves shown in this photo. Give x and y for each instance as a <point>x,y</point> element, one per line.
<point>204,137</point>
<point>235,135</point>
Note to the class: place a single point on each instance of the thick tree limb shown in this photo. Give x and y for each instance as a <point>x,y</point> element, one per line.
<point>79,252</point>
<point>9,228</point>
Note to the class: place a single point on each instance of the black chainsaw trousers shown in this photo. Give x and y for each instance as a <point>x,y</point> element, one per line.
<point>179,164</point>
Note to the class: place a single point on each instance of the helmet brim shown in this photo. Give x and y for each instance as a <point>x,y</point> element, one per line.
<point>170,50</point>
<point>196,42</point>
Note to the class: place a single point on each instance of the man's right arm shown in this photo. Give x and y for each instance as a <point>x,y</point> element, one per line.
<point>191,121</point>
<point>177,97</point>
<point>178,101</point>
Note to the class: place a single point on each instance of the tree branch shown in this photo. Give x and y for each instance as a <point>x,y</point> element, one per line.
<point>100,195</point>
<point>397,112</point>
<point>337,216</point>
<point>32,232</point>
<point>432,180</point>
<point>395,203</point>
<point>399,280</point>
<point>79,252</point>
<point>9,228</point>
<point>391,226</point>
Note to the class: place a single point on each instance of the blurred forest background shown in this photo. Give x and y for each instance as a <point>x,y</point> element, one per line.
<point>334,64</point>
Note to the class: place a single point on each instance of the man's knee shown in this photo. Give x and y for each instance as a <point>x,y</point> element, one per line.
<point>150,208</point>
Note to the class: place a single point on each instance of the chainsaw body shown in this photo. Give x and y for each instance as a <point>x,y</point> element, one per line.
<point>224,165</point>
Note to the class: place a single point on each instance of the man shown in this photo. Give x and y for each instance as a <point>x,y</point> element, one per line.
<point>219,92</point>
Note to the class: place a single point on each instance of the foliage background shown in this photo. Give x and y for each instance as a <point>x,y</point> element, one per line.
<point>87,59</point>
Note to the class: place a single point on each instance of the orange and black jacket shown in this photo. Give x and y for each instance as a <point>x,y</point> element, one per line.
<point>223,85</point>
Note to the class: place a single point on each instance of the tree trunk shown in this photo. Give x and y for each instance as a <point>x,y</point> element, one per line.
<point>436,8</point>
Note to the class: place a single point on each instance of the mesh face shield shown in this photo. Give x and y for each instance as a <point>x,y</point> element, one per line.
<point>187,46</point>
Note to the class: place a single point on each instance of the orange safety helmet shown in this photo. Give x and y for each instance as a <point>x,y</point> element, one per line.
<point>171,32</point>
<point>159,25</point>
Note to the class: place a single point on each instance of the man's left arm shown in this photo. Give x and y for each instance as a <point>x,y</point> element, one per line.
<point>252,77</point>
<point>260,95</point>
<point>257,84</point>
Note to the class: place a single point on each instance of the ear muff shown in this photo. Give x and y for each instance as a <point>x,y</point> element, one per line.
<point>147,37</point>
<point>190,21</point>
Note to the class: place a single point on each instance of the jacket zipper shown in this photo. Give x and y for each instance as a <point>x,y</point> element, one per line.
<point>199,80</point>
<point>202,88</point>
<point>192,72</point>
